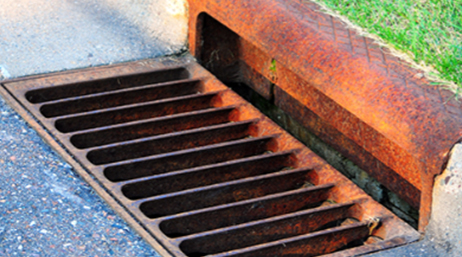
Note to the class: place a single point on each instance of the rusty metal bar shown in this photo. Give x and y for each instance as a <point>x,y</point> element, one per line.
<point>206,175</point>
<point>169,142</point>
<point>114,82</point>
<point>123,114</point>
<point>150,127</point>
<point>244,211</point>
<point>120,97</point>
<point>224,193</point>
<point>260,231</point>
<point>314,244</point>
<point>161,163</point>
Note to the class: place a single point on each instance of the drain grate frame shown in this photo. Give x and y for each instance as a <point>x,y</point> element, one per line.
<point>238,154</point>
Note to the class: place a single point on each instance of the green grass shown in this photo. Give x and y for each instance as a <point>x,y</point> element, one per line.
<point>429,31</point>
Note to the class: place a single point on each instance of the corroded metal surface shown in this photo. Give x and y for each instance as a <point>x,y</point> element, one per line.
<point>343,87</point>
<point>200,168</point>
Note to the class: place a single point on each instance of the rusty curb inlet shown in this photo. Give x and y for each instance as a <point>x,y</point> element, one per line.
<point>344,88</point>
<point>196,169</point>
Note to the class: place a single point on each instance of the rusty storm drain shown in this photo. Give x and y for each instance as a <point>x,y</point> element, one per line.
<point>202,170</point>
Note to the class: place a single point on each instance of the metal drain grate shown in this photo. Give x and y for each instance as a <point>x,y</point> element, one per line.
<point>203,171</point>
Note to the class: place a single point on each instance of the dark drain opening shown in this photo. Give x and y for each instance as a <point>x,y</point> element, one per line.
<point>313,244</point>
<point>266,230</point>
<point>169,143</point>
<point>371,186</point>
<point>163,163</point>
<point>203,176</point>
<point>103,85</point>
<point>244,211</point>
<point>223,193</point>
<point>123,114</point>
<point>202,164</point>
<point>151,127</point>
<point>120,97</point>
<point>284,224</point>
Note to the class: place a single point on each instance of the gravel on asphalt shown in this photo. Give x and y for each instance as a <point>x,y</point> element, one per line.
<point>46,209</point>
